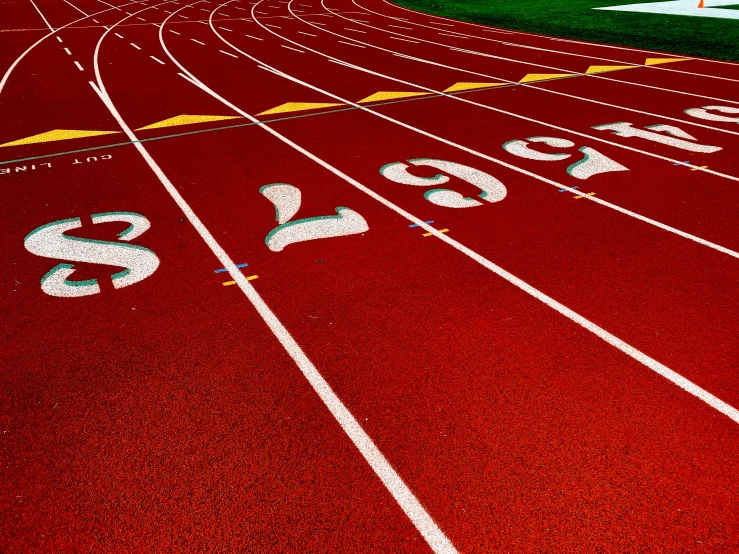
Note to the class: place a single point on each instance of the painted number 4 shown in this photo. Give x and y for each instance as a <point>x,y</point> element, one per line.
<point>286,199</point>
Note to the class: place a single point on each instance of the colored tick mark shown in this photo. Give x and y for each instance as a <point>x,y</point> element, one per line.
<point>223,269</point>
<point>681,163</point>
<point>441,231</point>
<point>229,283</point>
<point>416,224</point>
<point>697,168</point>
<point>565,190</point>
<point>584,195</point>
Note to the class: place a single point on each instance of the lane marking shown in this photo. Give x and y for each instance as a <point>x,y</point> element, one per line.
<point>454,36</point>
<point>611,339</point>
<point>78,65</point>
<point>416,224</point>
<point>68,51</point>
<point>50,29</point>
<point>170,30</point>
<point>404,39</point>
<point>255,38</point>
<point>196,40</point>
<point>251,278</point>
<point>275,26</point>
<point>136,46</point>
<point>291,48</point>
<point>59,39</point>
<point>228,53</point>
<point>223,28</point>
<point>76,8</point>
<point>223,269</point>
<point>116,34</point>
<point>440,231</point>
<point>157,60</point>
<point>400,27</point>
<point>355,30</point>
<point>308,34</point>
<point>351,44</point>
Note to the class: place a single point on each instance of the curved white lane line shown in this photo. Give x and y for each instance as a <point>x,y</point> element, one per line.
<point>513,60</point>
<point>12,67</point>
<point>363,442</point>
<point>531,86</point>
<point>574,41</point>
<point>561,52</point>
<point>614,341</point>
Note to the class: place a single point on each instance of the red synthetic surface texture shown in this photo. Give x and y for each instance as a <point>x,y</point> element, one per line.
<point>166,416</point>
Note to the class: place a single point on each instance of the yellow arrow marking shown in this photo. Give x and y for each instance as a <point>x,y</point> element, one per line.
<point>57,134</point>
<point>471,86</point>
<point>297,106</point>
<point>604,68</point>
<point>533,77</point>
<point>187,120</point>
<point>382,95</point>
<point>657,61</point>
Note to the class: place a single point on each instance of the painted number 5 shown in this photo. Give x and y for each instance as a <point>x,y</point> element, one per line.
<point>492,189</point>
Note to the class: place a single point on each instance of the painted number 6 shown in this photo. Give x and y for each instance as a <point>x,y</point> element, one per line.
<point>492,189</point>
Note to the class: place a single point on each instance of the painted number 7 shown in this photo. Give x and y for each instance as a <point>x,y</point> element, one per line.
<point>286,200</point>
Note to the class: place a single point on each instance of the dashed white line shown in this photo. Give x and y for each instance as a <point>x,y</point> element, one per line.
<point>455,36</point>
<point>228,53</point>
<point>157,60</point>
<point>136,46</point>
<point>171,31</point>
<point>119,36</point>
<point>78,65</point>
<point>59,39</point>
<point>229,30</point>
<point>404,39</point>
<point>400,27</point>
<point>354,30</point>
<point>437,23</point>
<point>291,48</point>
<point>184,16</point>
<point>67,51</point>
<point>95,20</point>
<point>308,34</point>
<point>275,26</point>
<point>196,40</point>
<point>351,44</point>
<point>255,38</point>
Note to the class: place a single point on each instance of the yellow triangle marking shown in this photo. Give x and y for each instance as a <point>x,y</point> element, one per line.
<point>471,86</point>
<point>657,61</point>
<point>604,68</point>
<point>383,95</point>
<point>533,77</point>
<point>297,106</point>
<point>57,134</point>
<point>187,120</point>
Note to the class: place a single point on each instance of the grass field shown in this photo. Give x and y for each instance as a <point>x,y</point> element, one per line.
<point>715,38</point>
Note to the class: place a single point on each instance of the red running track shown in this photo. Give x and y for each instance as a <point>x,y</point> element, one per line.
<point>546,369</point>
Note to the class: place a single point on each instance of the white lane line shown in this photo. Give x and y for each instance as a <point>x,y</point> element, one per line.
<point>399,27</point>
<point>96,21</point>
<point>45,21</point>
<point>437,23</point>
<point>614,341</point>
<point>136,46</point>
<point>355,30</point>
<point>196,40</point>
<point>229,30</point>
<point>350,44</point>
<point>157,60</point>
<point>403,39</point>
<point>240,8</point>
<point>184,16</point>
<point>228,53</point>
<point>68,51</point>
<point>255,38</point>
<point>171,31</point>
<point>307,34</point>
<point>274,26</point>
<point>59,39</point>
<point>78,66</point>
<point>111,5</point>
<point>291,48</point>
<point>76,8</point>
<point>119,36</point>
<point>402,494</point>
<point>454,36</point>
<point>140,18</point>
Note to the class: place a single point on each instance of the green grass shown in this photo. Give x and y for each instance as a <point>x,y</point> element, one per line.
<point>697,36</point>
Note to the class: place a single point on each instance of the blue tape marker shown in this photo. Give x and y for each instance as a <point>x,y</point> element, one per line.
<point>679,163</point>
<point>223,269</point>
<point>416,224</point>
<point>563,190</point>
